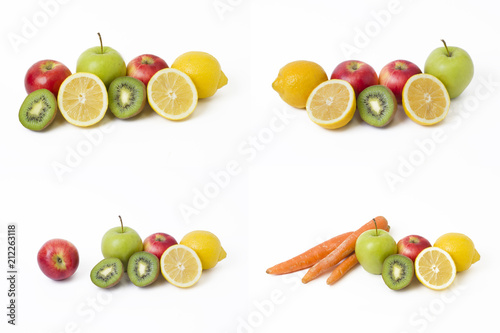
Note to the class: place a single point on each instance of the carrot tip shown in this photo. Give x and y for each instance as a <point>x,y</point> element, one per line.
<point>330,282</point>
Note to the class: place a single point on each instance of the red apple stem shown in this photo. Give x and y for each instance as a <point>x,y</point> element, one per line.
<point>121,222</point>
<point>100,40</point>
<point>446,47</point>
<point>376,228</point>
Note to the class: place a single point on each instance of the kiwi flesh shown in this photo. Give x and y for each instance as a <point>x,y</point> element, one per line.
<point>126,97</point>
<point>38,110</point>
<point>143,268</point>
<point>397,271</point>
<point>107,273</point>
<point>377,105</point>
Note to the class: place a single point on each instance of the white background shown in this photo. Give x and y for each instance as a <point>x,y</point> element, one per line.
<point>297,186</point>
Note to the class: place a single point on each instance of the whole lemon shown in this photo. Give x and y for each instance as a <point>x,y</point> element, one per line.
<point>204,70</point>
<point>460,247</point>
<point>297,80</point>
<point>206,245</point>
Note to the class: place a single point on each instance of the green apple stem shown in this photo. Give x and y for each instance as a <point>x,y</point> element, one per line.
<point>121,222</point>
<point>446,47</point>
<point>102,49</point>
<point>376,229</point>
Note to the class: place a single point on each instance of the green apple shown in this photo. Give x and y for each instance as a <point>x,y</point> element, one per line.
<point>372,247</point>
<point>451,65</point>
<point>102,61</point>
<point>121,242</point>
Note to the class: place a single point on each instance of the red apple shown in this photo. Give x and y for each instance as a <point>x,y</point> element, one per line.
<point>157,243</point>
<point>145,66</point>
<point>46,74</point>
<point>395,74</point>
<point>359,74</point>
<point>58,259</point>
<point>412,245</point>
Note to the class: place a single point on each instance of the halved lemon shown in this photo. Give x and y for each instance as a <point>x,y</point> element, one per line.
<point>172,94</point>
<point>332,104</point>
<point>435,268</point>
<point>82,99</point>
<point>181,266</point>
<point>425,99</point>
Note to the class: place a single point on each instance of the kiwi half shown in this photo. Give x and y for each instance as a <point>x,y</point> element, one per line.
<point>107,273</point>
<point>377,105</point>
<point>143,268</point>
<point>38,110</point>
<point>397,271</point>
<point>126,97</point>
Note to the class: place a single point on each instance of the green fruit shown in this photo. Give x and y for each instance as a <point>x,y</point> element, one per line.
<point>121,242</point>
<point>377,105</point>
<point>451,65</point>
<point>143,268</point>
<point>372,247</point>
<point>397,271</point>
<point>107,273</point>
<point>38,110</point>
<point>102,61</point>
<point>126,97</point>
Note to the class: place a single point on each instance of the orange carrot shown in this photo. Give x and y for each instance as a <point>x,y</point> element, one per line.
<point>343,250</point>
<point>341,269</point>
<point>308,258</point>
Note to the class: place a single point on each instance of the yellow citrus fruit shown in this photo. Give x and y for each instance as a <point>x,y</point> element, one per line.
<point>82,99</point>
<point>461,249</point>
<point>180,266</point>
<point>425,99</point>
<point>296,81</point>
<point>435,268</point>
<point>204,70</point>
<point>206,245</point>
<point>172,94</point>
<point>332,104</point>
